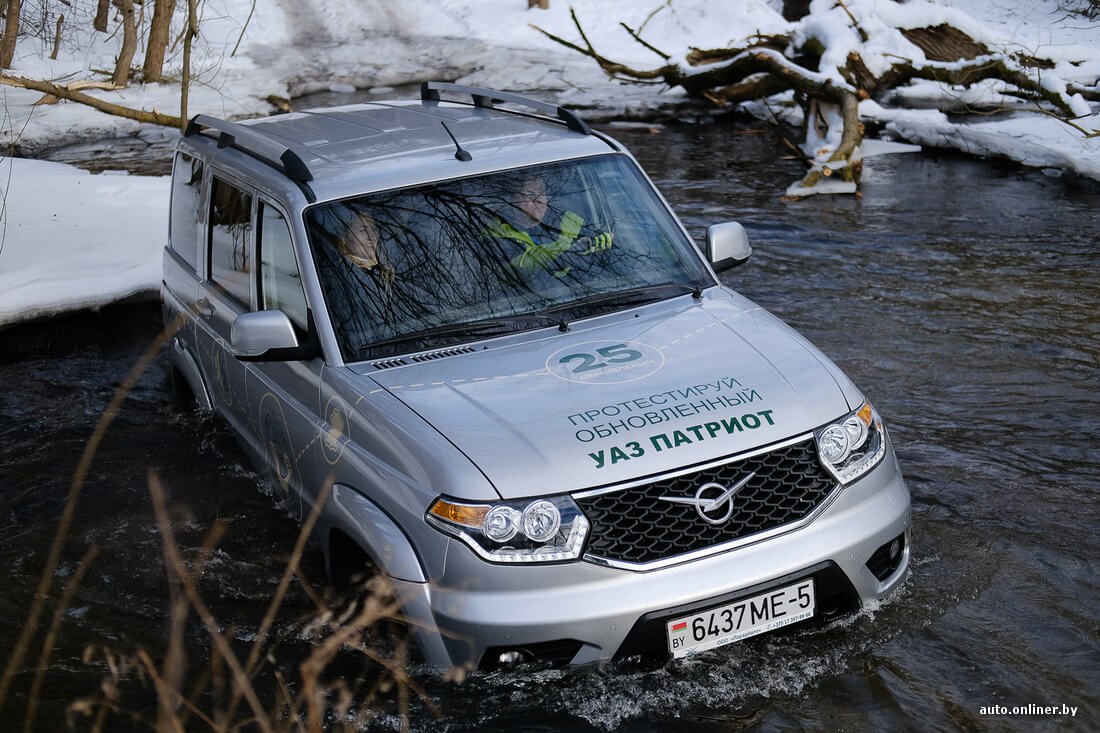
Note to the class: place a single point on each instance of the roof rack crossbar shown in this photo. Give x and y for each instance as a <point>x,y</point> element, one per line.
<point>254,144</point>
<point>429,92</point>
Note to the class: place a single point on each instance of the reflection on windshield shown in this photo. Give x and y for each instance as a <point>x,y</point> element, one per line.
<point>420,262</point>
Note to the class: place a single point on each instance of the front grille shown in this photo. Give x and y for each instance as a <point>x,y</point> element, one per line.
<point>635,526</point>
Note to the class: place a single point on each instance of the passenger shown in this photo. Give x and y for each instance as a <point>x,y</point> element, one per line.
<point>360,245</point>
<point>542,241</point>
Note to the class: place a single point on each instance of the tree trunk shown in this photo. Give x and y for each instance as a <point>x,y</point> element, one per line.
<point>153,69</point>
<point>129,43</point>
<point>185,83</point>
<point>11,31</point>
<point>101,11</point>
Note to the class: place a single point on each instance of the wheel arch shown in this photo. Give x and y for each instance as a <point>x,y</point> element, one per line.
<point>353,523</point>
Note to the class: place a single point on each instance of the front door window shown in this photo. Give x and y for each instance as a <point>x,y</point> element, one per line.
<point>280,282</point>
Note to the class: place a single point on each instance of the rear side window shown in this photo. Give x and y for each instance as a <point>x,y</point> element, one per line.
<point>184,217</point>
<point>280,283</point>
<point>230,239</point>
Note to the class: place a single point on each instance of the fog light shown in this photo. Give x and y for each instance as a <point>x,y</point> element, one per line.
<point>887,559</point>
<point>510,657</point>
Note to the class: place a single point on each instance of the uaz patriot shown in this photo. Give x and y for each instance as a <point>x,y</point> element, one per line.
<point>540,414</point>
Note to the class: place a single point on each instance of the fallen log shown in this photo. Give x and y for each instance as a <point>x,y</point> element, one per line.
<point>64,92</point>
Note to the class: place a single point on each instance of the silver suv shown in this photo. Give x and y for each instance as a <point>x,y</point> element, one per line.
<point>540,413</point>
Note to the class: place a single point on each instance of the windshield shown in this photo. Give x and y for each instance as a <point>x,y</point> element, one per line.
<point>436,265</point>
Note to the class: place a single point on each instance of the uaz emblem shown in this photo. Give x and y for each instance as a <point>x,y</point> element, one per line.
<point>708,508</point>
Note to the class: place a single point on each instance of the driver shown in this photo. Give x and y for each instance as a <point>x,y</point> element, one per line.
<point>543,242</point>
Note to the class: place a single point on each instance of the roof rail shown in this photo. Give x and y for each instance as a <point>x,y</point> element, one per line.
<point>258,145</point>
<point>429,92</point>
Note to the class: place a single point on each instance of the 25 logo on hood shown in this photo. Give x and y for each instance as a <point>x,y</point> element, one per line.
<point>605,362</point>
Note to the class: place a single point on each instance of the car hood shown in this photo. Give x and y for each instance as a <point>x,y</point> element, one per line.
<point>625,395</point>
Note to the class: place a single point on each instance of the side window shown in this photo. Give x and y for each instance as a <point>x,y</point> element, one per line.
<point>230,232</point>
<point>280,283</point>
<point>183,225</point>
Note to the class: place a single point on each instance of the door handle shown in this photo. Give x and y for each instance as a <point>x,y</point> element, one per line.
<point>205,307</point>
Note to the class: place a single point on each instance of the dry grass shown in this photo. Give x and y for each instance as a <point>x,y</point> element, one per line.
<point>233,690</point>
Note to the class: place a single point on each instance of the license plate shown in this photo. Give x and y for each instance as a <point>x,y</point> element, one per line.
<point>717,627</point>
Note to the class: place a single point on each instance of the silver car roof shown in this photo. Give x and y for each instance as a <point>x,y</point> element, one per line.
<point>379,145</point>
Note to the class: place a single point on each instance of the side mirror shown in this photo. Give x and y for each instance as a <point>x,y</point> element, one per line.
<point>267,336</point>
<point>727,245</point>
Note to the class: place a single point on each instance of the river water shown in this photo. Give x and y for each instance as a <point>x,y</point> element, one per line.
<point>960,295</point>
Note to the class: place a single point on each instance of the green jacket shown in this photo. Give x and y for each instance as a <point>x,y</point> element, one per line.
<point>536,255</point>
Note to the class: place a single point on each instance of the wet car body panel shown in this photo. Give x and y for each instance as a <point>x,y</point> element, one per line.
<point>712,359</point>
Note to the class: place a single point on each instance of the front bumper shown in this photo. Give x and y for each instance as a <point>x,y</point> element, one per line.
<point>580,612</point>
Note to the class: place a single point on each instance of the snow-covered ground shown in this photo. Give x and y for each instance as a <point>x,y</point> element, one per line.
<point>71,240</point>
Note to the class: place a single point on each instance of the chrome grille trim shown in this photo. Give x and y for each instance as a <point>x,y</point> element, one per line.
<point>638,526</point>
<point>692,469</point>
<point>667,562</point>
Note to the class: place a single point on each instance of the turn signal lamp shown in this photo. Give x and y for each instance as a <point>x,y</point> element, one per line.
<point>464,514</point>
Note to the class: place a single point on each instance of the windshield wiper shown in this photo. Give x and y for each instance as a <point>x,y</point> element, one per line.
<point>632,296</point>
<point>546,317</point>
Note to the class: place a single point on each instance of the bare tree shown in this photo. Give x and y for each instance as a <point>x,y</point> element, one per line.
<point>129,43</point>
<point>74,90</point>
<point>153,69</point>
<point>11,31</point>
<point>190,35</point>
<point>101,11</point>
<point>57,36</point>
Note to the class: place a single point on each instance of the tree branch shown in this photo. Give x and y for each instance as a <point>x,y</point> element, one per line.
<point>1091,94</point>
<point>983,67</point>
<point>638,38</point>
<point>118,110</point>
<point>754,61</point>
<point>611,68</point>
<point>757,86</point>
<point>732,75</point>
<point>859,29</point>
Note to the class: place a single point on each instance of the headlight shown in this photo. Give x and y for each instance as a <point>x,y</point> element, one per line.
<point>540,530</point>
<point>852,446</point>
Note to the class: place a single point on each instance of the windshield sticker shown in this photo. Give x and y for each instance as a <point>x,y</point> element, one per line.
<point>676,438</point>
<point>605,362</point>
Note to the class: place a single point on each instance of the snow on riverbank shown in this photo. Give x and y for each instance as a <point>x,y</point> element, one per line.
<point>71,240</point>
